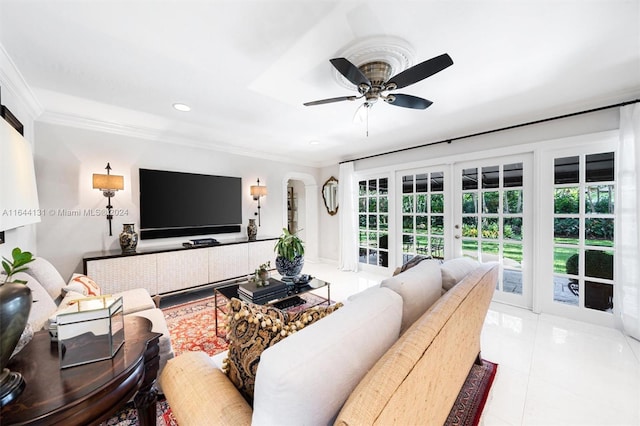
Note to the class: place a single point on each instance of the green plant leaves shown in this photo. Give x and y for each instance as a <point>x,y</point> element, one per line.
<point>20,259</point>
<point>289,245</point>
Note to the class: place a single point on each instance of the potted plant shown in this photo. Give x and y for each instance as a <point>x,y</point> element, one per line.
<point>261,275</point>
<point>15,305</point>
<point>290,254</point>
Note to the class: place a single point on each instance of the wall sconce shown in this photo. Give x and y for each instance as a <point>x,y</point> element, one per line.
<point>108,184</point>
<point>258,191</point>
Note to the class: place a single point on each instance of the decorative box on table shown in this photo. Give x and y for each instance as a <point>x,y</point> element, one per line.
<point>92,332</point>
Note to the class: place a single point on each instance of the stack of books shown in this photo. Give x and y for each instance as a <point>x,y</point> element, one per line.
<point>250,292</point>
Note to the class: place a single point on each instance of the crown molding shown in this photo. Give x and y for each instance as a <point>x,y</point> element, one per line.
<point>159,135</point>
<point>14,82</point>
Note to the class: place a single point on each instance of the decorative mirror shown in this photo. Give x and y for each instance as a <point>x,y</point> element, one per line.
<point>330,195</point>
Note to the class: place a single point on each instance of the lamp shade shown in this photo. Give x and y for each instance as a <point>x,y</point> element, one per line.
<point>258,191</point>
<point>111,182</point>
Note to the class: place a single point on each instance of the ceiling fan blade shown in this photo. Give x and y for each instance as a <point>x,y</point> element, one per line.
<point>420,71</point>
<point>350,71</point>
<point>331,100</point>
<point>408,101</point>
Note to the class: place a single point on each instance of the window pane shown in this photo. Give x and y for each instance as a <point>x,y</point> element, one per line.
<point>470,202</point>
<point>437,203</point>
<point>384,204</point>
<point>512,281</point>
<point>567,170</point>
<point>565,290</point>
<point>407,224</point>
<point>490,177</point>
<point>407,184</point>
<point>566,230</point>
<point>362,185</point>
<point>362,255</point>
<point>512,175</point>
<point>490,227</point>
<point>363,239</point>
<point>512,228</point>
<point>362,205</point>
<point>437,225</point>
<point>373,257</point>
<point>373,239</point>
<point>598,296</point>
<point>373,221</point>
<point>384,241</point>
<point>422,182</point>
<point>565,260</point>
<point>600,167</point>
<point>422,246</point>
<point>490,202</point>
<point>599,232</point>
<point>407,243</point>
<point>512,253</point>
<point>599,199</point>
<point>599,264</point>
<point>512,202</point>
<point>437,247</point>
<point>373,187</point>
<point>421,203</point>
<point>470,179</point>
<point>489,251</point>
<point>407,204</point>
<point>567,200</point>
<point>362,219</point>
<point>384,222</point>
<point>422,224</point>
<point>437,182</point>
<point>383,258</point>
<point>383,186</point>
<point>470,227</point>
<point>373,205</point>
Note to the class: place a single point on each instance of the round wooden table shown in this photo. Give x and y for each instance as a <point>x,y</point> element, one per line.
<point>90,393</point>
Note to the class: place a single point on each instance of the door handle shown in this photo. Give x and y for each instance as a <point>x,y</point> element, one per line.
<point>457,237</point>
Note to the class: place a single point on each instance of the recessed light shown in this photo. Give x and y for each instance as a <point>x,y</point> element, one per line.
<point>182,107</point>
<point>314,142</point>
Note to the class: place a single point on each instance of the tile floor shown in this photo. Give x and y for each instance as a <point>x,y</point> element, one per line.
<point>552,370</point>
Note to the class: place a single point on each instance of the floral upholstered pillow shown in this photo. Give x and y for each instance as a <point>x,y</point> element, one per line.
<point>253,328</point>
<point>82,284</point>
<point>250,330</point>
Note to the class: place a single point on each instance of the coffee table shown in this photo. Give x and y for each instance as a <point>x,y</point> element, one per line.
<point>90,393</point>
<point>230,291</point>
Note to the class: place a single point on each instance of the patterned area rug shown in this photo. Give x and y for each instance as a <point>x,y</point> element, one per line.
<point>468,407</point>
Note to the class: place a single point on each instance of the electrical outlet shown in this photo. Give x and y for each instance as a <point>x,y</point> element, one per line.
<point>1,237</point>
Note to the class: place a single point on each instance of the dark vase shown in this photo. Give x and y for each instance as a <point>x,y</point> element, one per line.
<point>128,238</point>
<point>15,305</point>
<point>289,268</point>
<point>252,230</point>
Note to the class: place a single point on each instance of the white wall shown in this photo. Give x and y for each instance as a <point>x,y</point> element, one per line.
<point>66,157</point>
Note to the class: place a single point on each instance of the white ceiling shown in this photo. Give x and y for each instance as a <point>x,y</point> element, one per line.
<point>246,67</point>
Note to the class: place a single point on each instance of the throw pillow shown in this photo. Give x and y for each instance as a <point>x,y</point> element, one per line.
<point>454,270</point>
<point>82,284</point>
<point>410,263</point>
<point>253,328</point>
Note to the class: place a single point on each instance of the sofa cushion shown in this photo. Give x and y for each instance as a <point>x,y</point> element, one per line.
<point>454,270</point>
<point>42,307</point>
<point>419,288</point>
<point>159,326</point>
<point>253,328</point>
<point>80,283</point>
<point>48,276</point>
<point>306,378</point>
<point>410,263</point>
<point>135,300</point>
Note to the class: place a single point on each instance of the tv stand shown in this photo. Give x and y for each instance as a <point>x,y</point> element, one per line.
<point>167,270</point>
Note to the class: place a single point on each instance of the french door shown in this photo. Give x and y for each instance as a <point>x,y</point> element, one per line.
<point>493,203</point>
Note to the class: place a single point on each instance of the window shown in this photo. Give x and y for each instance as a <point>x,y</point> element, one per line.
<point>423,215</point>
<point>583,230</point>
<point>373,221</point>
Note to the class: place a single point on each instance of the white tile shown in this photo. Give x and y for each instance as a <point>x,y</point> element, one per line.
<point>505,404</point>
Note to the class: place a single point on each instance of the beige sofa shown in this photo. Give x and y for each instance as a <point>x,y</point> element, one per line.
<point>394,354</point>
<point>49,295</point>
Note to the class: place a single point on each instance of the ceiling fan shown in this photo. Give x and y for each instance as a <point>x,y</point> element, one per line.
<point>373,81</point>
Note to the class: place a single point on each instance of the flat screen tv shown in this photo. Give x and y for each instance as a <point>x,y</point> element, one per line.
<point>176,204</point>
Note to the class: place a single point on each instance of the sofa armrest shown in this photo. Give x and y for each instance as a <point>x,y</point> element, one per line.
<point>199,393</point>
